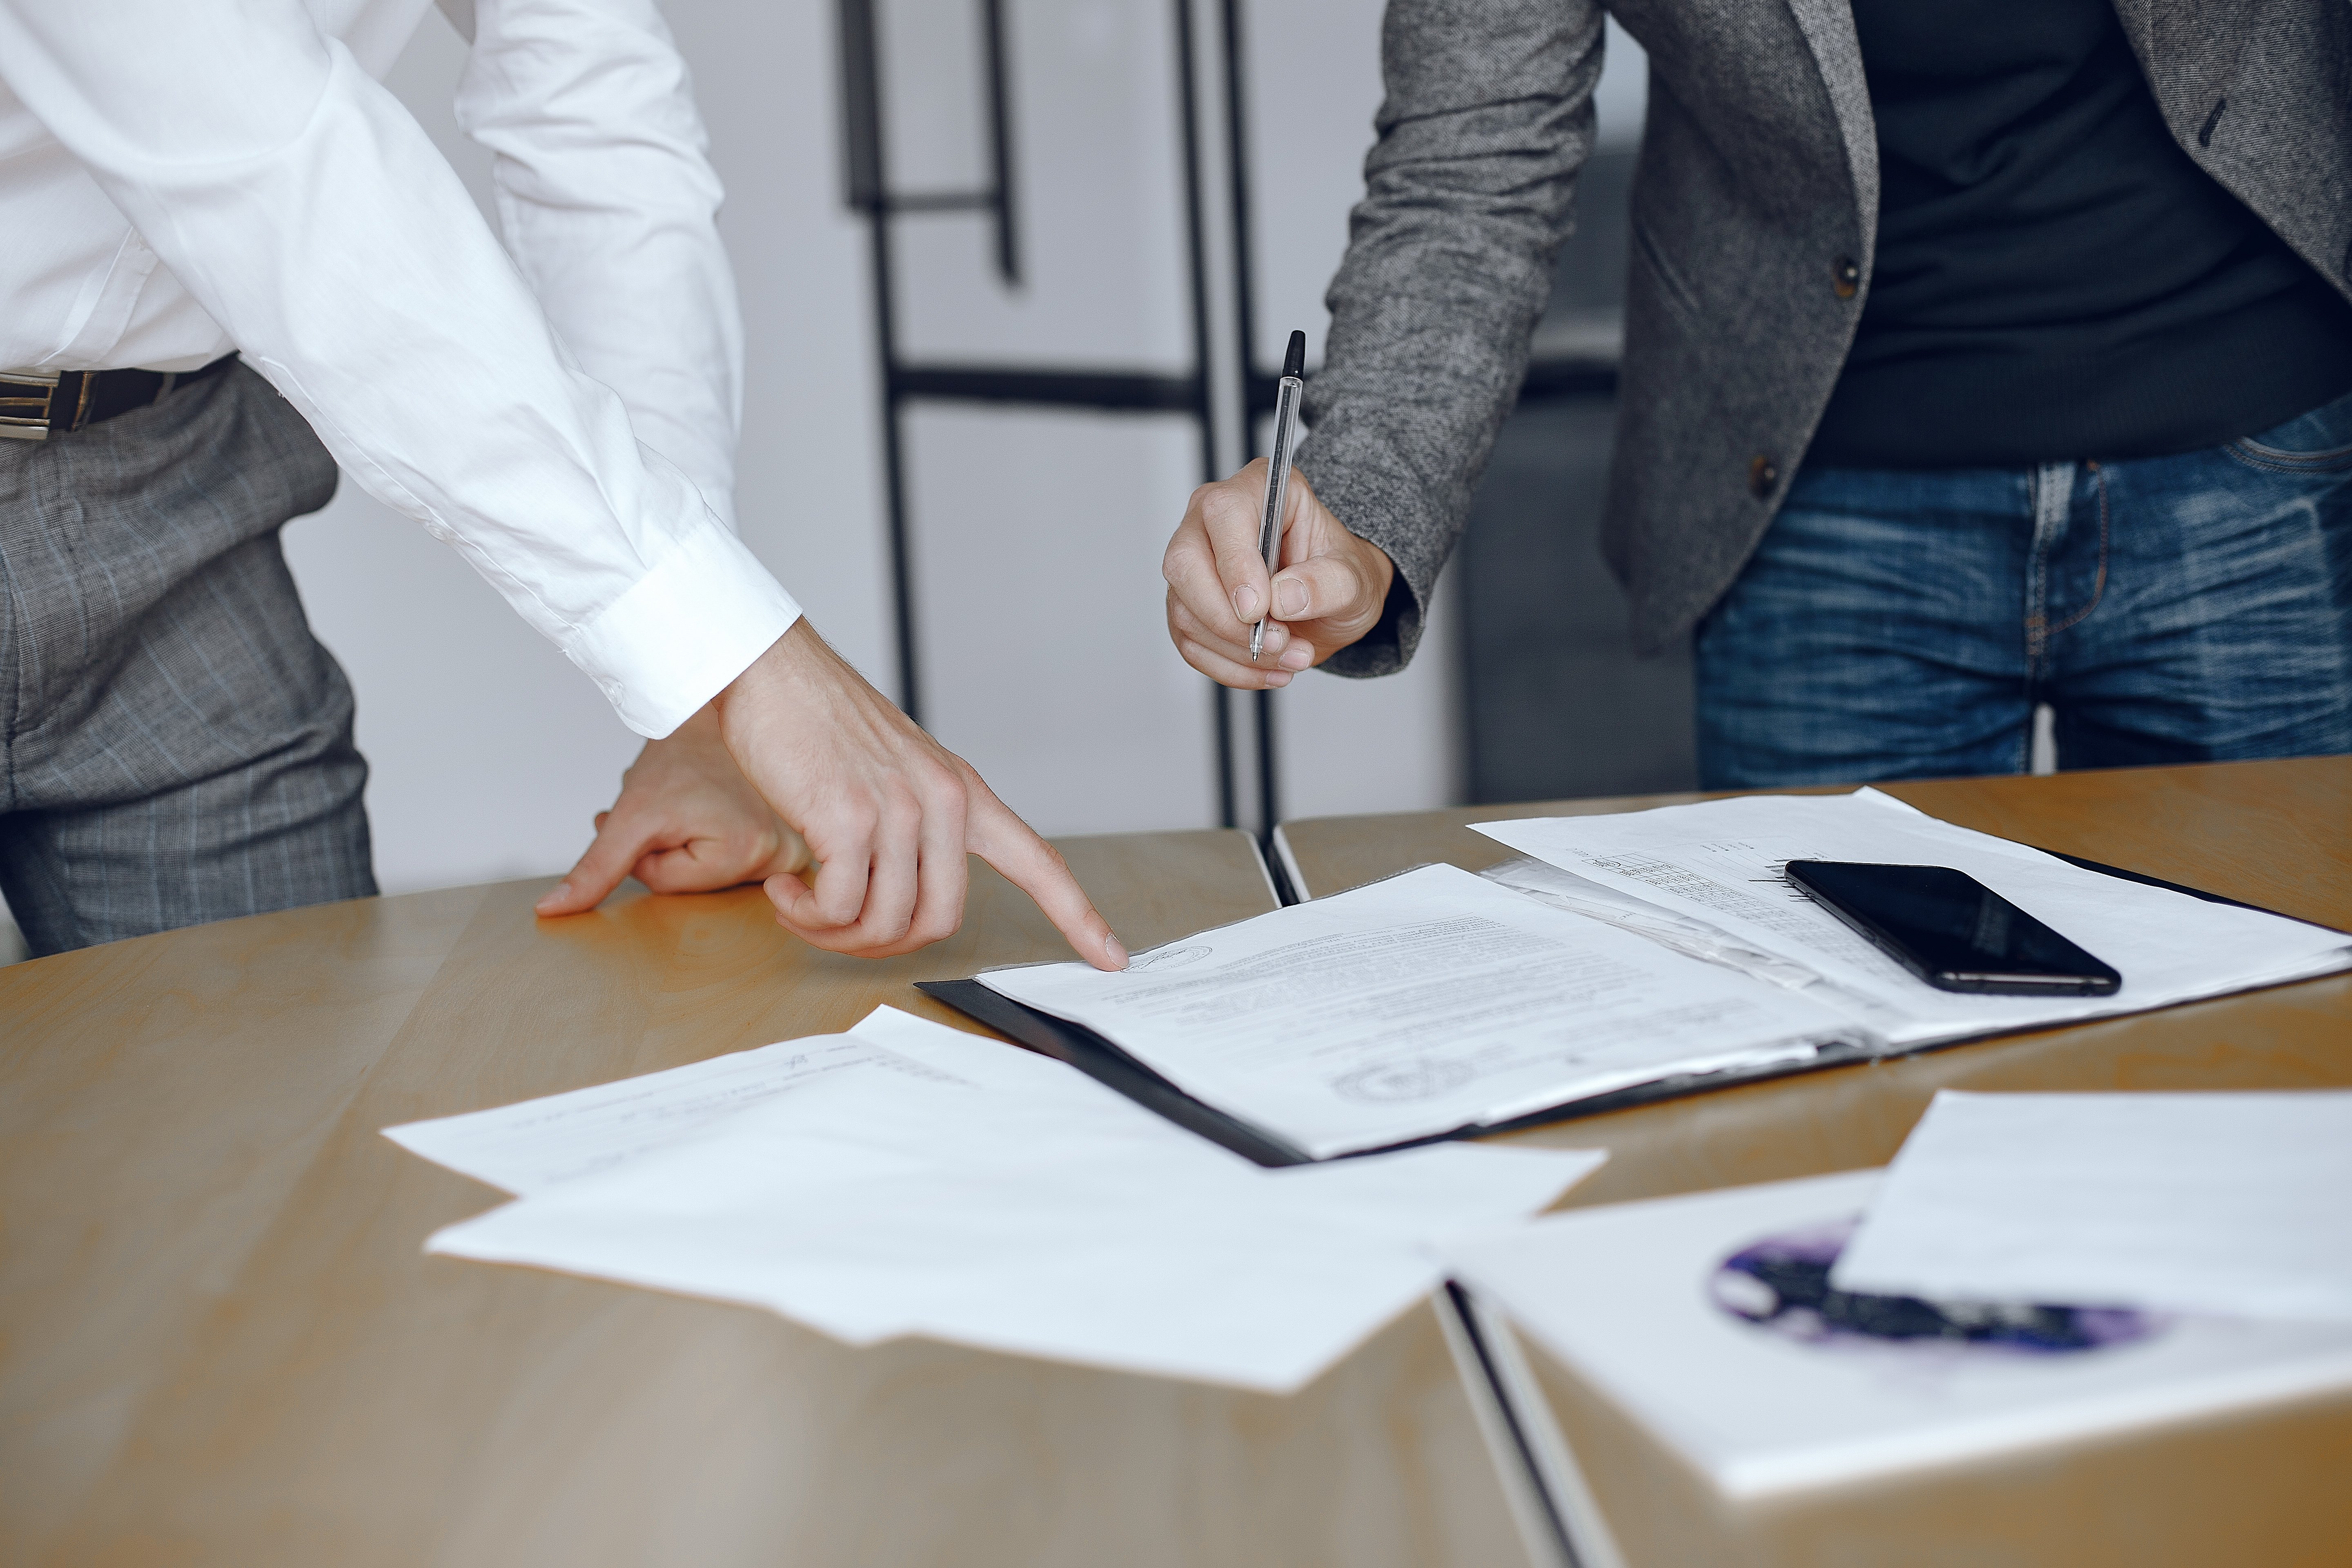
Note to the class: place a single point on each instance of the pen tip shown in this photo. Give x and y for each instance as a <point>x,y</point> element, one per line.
<point>1294,358</point>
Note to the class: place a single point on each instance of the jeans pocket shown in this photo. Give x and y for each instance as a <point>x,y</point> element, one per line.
<point>2318,442</point>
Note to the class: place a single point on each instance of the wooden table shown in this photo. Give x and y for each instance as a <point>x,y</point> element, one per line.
<point>221,1343</point>
<point>2266,1489</point>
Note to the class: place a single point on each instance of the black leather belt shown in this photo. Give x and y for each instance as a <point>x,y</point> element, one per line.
<point>36,404</point>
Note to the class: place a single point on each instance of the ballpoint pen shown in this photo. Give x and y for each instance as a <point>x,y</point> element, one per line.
<point>1277,473</point>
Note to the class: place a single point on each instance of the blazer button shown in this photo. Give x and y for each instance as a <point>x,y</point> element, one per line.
<point>1762,476</point>
<point>1846,277</point>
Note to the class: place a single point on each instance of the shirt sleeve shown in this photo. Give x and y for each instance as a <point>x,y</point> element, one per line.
<point>610,207</point>
<point>312,218</point>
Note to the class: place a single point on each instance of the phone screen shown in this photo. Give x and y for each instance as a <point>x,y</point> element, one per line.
<point>1952,931</point>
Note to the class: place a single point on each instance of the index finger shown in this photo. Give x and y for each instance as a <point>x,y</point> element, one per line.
<point>618,845</point>
<point>1031,864</point>
<point>1231,512</point>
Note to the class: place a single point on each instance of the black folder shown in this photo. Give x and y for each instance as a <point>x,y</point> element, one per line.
<point>1106,1063</point>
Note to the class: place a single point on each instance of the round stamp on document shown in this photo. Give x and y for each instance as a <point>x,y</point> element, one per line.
<point>1390,1083</point>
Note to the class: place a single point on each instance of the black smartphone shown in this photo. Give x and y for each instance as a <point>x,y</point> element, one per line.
<point>1953,931</point>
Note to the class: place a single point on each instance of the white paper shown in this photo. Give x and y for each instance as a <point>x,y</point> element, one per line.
<point>1416,1006</point>
<point>1719,864</point>
<point>1693,938</point>
<point>1003,1200</point>
<point>529,1147</point>
<point>1625,1295</point>
<point>2238,1204</point>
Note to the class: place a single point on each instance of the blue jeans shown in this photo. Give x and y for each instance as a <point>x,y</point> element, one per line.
<point>1898,625</point>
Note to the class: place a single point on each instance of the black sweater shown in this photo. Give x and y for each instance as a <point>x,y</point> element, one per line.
<point>2055,278</point>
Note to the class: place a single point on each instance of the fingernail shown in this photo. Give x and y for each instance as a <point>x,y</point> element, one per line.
<point>1297,656</point>
<point>1111,949</point>
<point>1245,603</point>
<point>1277,677</point>
<point>555,895</point>
<point>1289,597</point>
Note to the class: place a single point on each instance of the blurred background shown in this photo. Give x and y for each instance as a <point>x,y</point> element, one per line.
<point>1015,274</point>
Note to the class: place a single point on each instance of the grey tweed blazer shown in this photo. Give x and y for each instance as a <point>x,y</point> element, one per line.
<point>1755,199</point>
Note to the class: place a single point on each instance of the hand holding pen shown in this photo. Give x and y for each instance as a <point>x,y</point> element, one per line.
<point>1319,589</point>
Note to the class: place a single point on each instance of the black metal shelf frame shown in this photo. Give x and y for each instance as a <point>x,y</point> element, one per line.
<point>1195,395</point>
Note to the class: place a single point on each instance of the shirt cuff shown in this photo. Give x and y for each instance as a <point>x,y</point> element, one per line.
<point>688,627</point>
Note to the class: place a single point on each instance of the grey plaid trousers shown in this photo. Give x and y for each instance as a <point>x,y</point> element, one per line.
<point>176,747</point>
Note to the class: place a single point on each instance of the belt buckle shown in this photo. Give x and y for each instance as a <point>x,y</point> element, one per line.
<point>26,397</point>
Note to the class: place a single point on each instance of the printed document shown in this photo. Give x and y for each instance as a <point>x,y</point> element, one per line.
<point>1421,1005</point>
<point>910,1179</point>
<point>2237,1203</point>
<point>529,1147</point>
<point>1718,865</point>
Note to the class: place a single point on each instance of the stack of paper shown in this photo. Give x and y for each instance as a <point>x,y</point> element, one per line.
<point>1715,870</point>
<point>1631,950</point>
<point>908,1179</point>
<point>1711,1320</point>
<point>1578,895</point>
<point>1420,1005</point>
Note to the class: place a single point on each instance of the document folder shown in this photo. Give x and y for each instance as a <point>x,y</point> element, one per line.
<point>1117,1069</point>
<point>1114,1068</point>
<point>1106,1063</point>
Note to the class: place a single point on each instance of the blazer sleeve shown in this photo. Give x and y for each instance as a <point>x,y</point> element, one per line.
<point>1487,121</point>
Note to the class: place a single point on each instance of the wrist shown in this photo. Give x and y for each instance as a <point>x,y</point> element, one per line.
<point>788,662</point>
<point>1381,572</point>
<point>700,729</point>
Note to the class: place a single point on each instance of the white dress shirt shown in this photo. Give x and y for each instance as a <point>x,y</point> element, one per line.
<point>182,178</point>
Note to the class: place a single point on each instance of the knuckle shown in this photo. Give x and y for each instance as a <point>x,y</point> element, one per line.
<point>1224,503</point>
<point>949,790</point>
<point>902,814</point>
